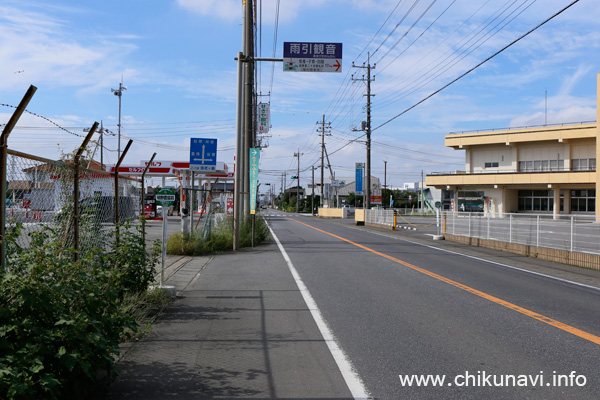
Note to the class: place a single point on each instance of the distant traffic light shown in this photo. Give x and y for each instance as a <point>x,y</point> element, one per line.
<point>294,177</point>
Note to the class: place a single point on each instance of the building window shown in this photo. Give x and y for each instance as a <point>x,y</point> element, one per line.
<point>583,164</point>
<point>491,165</point>
<point>583,200</point>
<point>536,200</point>
<point>542,165</point>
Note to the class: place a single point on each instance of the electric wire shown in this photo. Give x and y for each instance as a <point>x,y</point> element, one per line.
<point>407,31</point>
<point>427,75</point>
<point>478,65</point>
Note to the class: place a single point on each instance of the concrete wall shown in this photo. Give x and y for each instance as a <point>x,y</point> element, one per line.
<point>333,213</point>
<point>584,260</point>
<point>359,216</point>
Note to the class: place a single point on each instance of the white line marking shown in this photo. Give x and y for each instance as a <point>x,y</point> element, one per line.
<point>487,261</point>
<point>353,380</point>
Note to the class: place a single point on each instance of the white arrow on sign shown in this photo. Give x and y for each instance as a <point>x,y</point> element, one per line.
<point>203,159</point>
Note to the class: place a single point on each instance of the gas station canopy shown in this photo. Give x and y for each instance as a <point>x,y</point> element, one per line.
<point>172,169</point>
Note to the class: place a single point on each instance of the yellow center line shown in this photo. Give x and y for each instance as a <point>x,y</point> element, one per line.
<point>557,324</point>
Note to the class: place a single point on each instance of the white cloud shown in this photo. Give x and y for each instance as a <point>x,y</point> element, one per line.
<point>41,46</point>
<point>224,9</point>
<point>572,114</point>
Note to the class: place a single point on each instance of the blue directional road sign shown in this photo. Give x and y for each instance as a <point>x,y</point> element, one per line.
<point>203,154</point>
<point>312,57</point>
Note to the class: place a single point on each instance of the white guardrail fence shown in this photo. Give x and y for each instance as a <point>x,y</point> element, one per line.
<point>573,232</point>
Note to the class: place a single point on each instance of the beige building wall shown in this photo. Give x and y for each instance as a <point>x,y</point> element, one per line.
<point>543,151</point>
<point>583,149</point>
<point>504,155</point>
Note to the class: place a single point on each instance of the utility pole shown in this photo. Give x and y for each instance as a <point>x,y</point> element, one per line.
<point>384,180</point>
<point>244,126</point>
<point>368,127</point>
<point>298,182</point>
<point>324,132</point>
<point>119,92</point>
<point>422,196</point>
<point>312,204</point>
<point>248,90</point>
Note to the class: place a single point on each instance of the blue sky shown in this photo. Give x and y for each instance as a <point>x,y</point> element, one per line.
<point>176,58</point>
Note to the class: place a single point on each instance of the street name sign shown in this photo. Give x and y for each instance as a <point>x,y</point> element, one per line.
<point>203,154</point>
<point>312,57</point>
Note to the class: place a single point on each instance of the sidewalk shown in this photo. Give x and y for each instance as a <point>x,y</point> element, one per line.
<point>231,334</point>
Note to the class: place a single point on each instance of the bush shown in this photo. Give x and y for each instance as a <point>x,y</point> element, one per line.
<point>61,321</point>
<point>219,239</point>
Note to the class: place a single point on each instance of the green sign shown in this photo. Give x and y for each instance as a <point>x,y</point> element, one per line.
<point>165,197</point>
<point>438,204</point>
<point>254,158</point>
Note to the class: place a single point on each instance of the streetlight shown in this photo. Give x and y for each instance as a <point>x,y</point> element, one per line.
<point>119,92</point>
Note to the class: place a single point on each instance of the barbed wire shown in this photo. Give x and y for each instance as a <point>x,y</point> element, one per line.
<point>44,118</point>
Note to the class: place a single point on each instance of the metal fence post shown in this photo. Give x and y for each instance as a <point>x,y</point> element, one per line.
<point>117,190</point>
<point>3,157</point>
<point>572,231</point>
<point>469,224</point>
<point>509,228</point>
<point>76,161</point>
<point>143,199</point>
<point>537,242</point>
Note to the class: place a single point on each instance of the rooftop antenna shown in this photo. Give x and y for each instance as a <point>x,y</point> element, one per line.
<point>546,107</point>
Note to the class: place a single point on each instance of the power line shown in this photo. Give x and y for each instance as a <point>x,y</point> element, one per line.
<point>397,25</point>
<point>478,65</point>
<point>408,30</point>
<point>428,75</point>
<point>419,37</point>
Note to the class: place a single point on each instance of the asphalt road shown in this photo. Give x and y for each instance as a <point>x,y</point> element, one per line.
<point>403,310</point>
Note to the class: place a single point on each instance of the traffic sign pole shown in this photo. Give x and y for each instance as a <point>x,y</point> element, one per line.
<point>165,197</point>
<point>164,248</point>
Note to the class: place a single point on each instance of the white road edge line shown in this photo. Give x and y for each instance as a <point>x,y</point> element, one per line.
<point>490,261</point>
<point>353,380</point>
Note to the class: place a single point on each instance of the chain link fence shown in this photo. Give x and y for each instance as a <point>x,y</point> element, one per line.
<point>40,196</point>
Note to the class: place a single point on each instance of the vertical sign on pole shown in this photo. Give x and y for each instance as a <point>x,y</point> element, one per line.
<point>264,119</point>
<point>254,158</point>
<point>360,167</point>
